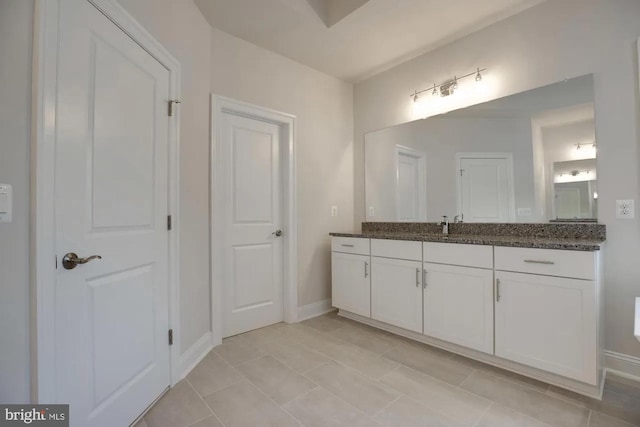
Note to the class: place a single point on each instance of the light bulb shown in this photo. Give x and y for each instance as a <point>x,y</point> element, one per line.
<point>478,76</point>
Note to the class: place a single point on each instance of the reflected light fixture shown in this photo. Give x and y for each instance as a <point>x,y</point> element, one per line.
<point>447,87</point>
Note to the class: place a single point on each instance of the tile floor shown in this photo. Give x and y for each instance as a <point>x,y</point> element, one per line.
<point>330,371</point>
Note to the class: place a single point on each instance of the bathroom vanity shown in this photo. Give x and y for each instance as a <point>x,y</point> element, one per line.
<point>492,292</point>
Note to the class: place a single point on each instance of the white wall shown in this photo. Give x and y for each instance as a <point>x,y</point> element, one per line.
<point>16,23</point>
<point>323,106</point>
<point>546,44</point>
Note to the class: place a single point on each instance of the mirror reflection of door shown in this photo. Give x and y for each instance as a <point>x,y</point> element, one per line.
<point>411,185</point>
<point>568,202</point>
<point>485,187</point>
<point>575,190</point>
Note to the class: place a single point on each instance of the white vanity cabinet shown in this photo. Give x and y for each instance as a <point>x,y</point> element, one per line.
<point>458,294</point>
<point>351,275</point>
<point>396,283</point>
<point>546,310</point>
<point>531,311</point>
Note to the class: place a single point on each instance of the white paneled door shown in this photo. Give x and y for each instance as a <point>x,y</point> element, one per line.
<point>252,261</point>
<point>111,163</point>
<point>485,189</point>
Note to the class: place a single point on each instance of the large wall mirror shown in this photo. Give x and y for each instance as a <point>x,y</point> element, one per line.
<point>529,157</point>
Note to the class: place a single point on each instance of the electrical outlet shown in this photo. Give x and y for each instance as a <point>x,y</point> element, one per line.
<point>334,211</point>
<point>625,209</point>
<point>372,211</point>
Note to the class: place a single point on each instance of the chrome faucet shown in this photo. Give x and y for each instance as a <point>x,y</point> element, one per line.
<point>458,218</point>
<point>445,225</point>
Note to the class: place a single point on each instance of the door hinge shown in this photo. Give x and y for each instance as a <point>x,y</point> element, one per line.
<point>461,172</point>
<point>171,102</point>
<point>170,336</point>
<point>169,226</point>
<point>56,262</point>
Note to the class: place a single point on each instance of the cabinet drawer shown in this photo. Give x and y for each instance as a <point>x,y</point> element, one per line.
<point>399,249</point>
<point>350,245</point>
<point>551,262</point>
<point>458,254</point>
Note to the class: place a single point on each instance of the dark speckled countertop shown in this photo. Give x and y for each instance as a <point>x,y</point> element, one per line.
<point>577,237</point>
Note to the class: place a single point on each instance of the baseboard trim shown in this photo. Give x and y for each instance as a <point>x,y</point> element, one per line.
<point>314,309</point>
<point>194,354</point>
<point>622,365</point>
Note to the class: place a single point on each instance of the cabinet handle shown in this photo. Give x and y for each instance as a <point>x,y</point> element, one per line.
<point>417,277</point>
<point>347,246</point>
<point>424,279</point>
<point>366,269</point>
<point>497,290</point>
<point>535,261</point>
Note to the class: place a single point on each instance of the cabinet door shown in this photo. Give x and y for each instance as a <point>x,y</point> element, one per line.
<point>547,322</point>
<point>396,292</point>
<point>351,283</point>
<point>458,305</point>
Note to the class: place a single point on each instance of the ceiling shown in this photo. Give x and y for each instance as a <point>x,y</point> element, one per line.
<point>355,39</point>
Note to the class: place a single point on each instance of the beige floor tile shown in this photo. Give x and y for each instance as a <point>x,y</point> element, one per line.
<point>407,412</point>
<point>601,420</point>
<point>211,421</point>
<point>323,323</point>
<point>237,350</point>
<point>244,405</point>
<point>213,374</point>
<point>179,407</point>
<point>504,374</point>
<point>352,386</point>
<point>501,416</point>
<point>295,355</point>
<point>370,364</point>
<point>621,399</point>
<point>461,406</point>
<point>279,382</point>
<point>141,423</point>
<point>366,338</point>
<point>319,408</point>
<point>526,400</point>
<point>431,363</point>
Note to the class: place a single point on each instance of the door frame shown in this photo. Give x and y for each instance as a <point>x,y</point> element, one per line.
<point>506,156</point>
<point>42,227</point>
<point>287,122</point>
<point>421,157</point>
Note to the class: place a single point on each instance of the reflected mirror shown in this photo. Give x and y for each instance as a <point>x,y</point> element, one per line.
<point>529,157</point>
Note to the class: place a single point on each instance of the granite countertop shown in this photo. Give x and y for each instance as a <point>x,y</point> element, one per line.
<point>576,244</point>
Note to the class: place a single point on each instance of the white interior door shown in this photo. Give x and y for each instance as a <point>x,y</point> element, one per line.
<point>111,199</point>
<point>253,259</point>
<point>410,185</point>
<point>485,189</point>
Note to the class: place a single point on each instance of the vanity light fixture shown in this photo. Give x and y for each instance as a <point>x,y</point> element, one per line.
<point>447,87</point>
<point>580,145</point>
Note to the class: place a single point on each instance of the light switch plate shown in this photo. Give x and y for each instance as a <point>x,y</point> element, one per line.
<point>334,211</point>
<point>6,203</point>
